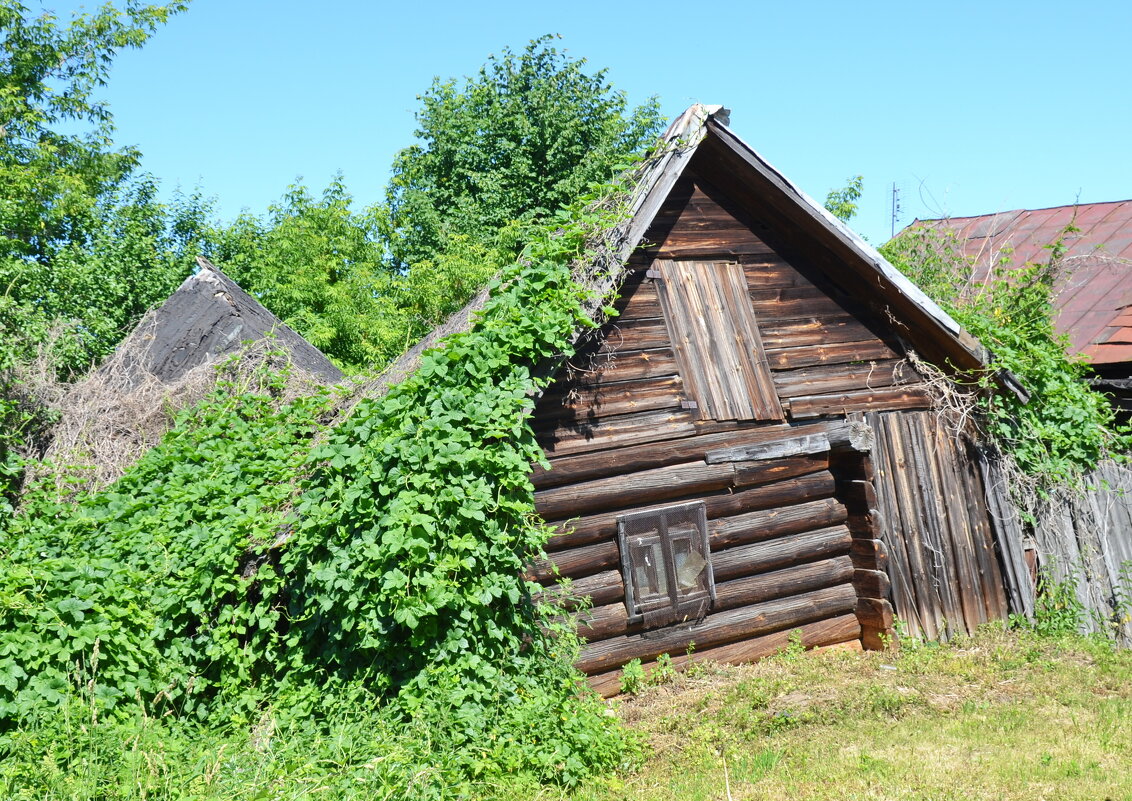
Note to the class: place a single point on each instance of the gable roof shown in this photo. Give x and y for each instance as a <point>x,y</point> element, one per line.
<point>208,317</point>
<point>702,132</point>
<point>1093,295</point>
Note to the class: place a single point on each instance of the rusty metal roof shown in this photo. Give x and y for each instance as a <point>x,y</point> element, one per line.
<point>1093,293</point>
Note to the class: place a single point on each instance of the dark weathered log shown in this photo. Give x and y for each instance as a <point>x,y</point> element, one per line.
<point>761,557</point>
<point>871,583</point>
<point>827,379</point>
<point>849,435</point>
<point>634,489</point>
<point>793,446</point>
<point>667,483</point>
<point>784,493</point>
<point>596,590</point>
<point>833,353</point>
<point>725,627</point>
<point>835,631</point>
<point>853,465</point>
<point>575,468</point>
<point>614,432</point>
<point>857,494</point>
<point>576,562</point>
<point>869,554</point>
<point>583,403</point>
<point>748,474</point>
<point>866,526</point>
<point>876,619</point>
<point>611,620</point>
<point>727,532</point>
<point>893,398</point>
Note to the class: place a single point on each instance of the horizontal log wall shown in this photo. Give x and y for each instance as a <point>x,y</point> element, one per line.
<point>780,551</point>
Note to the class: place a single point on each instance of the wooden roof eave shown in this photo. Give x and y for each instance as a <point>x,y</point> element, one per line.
<point>922,316</point>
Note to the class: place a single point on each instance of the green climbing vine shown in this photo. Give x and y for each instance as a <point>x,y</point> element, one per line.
<point>264,559</point>
<point>1064,427</point>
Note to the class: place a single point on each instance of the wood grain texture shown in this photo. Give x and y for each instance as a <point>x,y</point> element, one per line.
<point>735,624</point>
<point>611,620</point>
<point>783,493</point>
<point>823,633</point>
<point>673,483</point>
<point>717,342</point>
<point>843,403</point>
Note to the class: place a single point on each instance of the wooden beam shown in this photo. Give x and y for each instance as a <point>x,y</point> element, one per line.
<point>603,622</point>
<point>726,627</point>
<point>794,446</point>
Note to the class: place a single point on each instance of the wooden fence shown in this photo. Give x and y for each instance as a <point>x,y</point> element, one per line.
<point>1084,535</point>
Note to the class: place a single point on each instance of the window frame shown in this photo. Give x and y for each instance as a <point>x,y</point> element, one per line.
<point>670,603</point>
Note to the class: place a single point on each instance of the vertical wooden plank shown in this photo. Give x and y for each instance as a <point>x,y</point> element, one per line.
<point>939,555</point>
<point>963,515</point>
<point>749,344</point>
<point>1007,530</point>
<point>691,368</point>
<point>716,339</point>
<point>912,513</point>
<point>988,556</point>
<point>902,573</point>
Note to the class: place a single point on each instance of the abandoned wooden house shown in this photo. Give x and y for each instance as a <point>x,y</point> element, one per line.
<point>749,448</point>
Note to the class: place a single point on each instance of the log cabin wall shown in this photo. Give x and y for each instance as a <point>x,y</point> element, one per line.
<point>796,541</point>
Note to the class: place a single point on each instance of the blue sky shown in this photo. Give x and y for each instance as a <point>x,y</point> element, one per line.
<point>968,107</point>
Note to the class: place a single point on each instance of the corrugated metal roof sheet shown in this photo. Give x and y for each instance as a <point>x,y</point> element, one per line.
<point>1093,295</point>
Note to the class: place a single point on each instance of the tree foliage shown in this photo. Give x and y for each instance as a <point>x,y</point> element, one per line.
<point>1065,427</point>
<point>524,136</point>
<point>842,203</point>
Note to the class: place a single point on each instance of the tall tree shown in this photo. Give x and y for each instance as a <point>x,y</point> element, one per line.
<point>513,143</point>
<point>70,203</point>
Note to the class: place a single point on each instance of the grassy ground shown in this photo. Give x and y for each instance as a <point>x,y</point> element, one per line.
<point>1003,715</point>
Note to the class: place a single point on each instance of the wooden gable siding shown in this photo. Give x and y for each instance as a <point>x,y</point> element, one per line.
<point>824,352</point>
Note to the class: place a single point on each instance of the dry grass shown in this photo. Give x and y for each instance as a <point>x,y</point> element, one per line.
<point>110,418</point>
<point>999,716</point>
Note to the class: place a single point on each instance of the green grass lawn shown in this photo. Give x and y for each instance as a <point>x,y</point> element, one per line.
<point>1002,715</point>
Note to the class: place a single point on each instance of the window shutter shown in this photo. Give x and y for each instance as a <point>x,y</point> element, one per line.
<point>718,348</point>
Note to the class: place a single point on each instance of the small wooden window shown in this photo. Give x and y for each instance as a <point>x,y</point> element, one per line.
<point>666,564</point>
<point>720,354</point>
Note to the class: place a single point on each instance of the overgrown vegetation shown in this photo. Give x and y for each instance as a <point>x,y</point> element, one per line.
<point>1064,427</point>
<point>237,572</point>
<point>286,567</point>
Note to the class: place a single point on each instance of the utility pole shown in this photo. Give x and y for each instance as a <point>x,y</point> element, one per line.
<point>895,209</point>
